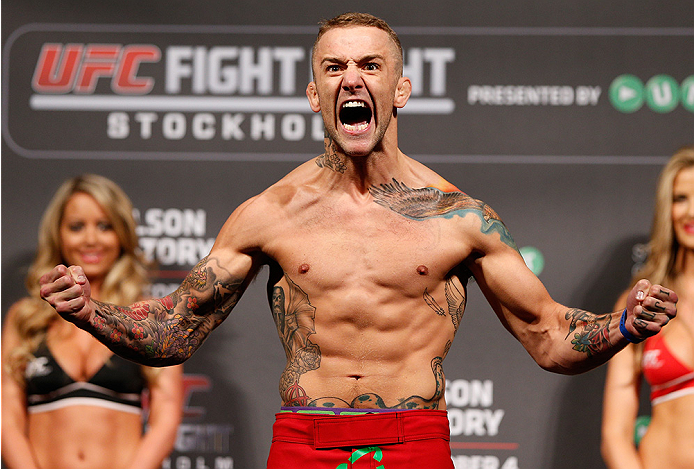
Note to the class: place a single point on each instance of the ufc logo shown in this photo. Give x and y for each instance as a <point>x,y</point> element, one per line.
<point>77,68</point>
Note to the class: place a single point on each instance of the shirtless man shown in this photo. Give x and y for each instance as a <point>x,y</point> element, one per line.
<point>369,254</point>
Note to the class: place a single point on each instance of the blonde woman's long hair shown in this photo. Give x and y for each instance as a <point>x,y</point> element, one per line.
<point>124,284</point>
<point>663,246</point>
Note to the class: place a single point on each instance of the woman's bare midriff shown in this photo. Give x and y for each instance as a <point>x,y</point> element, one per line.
<point>669,440</point>
<point>84,437</point>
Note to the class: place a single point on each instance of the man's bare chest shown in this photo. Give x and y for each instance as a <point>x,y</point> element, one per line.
<point>377,248</point>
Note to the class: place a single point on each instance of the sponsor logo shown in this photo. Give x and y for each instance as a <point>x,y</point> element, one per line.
<point>661,93</point>
<point>184,92</point>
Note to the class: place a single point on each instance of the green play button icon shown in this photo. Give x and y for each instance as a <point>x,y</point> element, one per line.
<point>626,93</point>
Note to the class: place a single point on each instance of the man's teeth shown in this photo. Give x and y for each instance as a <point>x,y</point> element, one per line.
<point>356,127</point>
<point>354,104</point>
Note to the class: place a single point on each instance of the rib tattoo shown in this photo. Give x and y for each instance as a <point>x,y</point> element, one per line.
<point>454,298</point>
<point>295,320</point>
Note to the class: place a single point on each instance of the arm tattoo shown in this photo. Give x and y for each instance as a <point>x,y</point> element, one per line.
<point>295,320</point>
<point>594,335</point>
<point>167,331</point>
<point>429,202</point>
<point>330,159</point>
<point>454,298</point>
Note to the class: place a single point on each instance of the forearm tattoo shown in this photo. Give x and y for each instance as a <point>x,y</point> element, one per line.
<point>430,202</point>
<point>456,303</point>
<point>330,159</point>
<point>168,330</point>
<point>592,331</point>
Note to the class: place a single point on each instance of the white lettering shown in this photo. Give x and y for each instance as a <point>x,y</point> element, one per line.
<point>475,462</point>
<point>483,462</point>
<point>587,95</point>
<point>438,59</point>
<point>176,69</point>
<point>231,126</point>
<point>203,438</point>
<point>199,70</point>
<point>176,251</point>
<point>288,57</point>
<point>259,72</point>
<point>318,128</point>
<point>510,463</point>
<point>293,127</point>
<point>208,126</point>
<point>174,222</point>
<point>662,94</point>
<point>262,126</point>
<point>473,393</point>
<point>203,126</point>
<point>227,70</point>
<point>117,126</point>
<point>145,119</point>
<point>173,126</point>
<point>479,422</point>
<point>414,68</point>
<point>184,462</point>
<point>520,95</point>
<point>223,80</point>
<point>223,463</point>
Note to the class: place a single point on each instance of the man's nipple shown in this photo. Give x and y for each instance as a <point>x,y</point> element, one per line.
<point>423,270</point>
<point>303,268</point>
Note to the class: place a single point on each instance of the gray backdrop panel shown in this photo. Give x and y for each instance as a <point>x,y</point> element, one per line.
<point>571,173</point>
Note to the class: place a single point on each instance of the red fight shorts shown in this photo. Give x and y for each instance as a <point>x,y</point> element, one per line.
<point>411,439</point>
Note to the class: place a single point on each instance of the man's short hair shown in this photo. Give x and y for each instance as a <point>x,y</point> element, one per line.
<point>358,19</point>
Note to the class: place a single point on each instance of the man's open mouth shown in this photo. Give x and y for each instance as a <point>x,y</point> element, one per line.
<point>355,115</point>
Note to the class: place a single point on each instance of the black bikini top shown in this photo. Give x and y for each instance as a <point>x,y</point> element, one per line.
<point>117,385</point>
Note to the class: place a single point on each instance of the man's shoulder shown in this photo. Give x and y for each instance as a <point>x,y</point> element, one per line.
<point>280,195</point>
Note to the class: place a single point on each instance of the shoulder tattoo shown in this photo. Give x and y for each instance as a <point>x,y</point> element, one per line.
<point>430,202</point>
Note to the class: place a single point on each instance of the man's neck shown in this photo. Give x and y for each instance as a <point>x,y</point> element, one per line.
<point>360,172</point>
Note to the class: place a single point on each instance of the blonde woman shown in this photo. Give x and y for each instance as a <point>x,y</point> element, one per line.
<point>666,360</point>
<point>67,401</point>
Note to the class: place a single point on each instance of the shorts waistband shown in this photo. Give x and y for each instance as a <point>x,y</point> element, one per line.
<point>335,410</point>
<point>341,431</point>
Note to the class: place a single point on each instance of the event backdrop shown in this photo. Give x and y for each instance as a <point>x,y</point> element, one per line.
<point>559,118</point>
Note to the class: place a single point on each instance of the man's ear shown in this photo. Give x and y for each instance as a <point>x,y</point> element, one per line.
<point>312,95</point>
<point>402,92</point>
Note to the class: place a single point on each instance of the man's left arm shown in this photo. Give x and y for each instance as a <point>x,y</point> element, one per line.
<point>559,338</point>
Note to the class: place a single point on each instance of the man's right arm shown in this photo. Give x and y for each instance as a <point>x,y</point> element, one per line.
<point>159,332</point>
